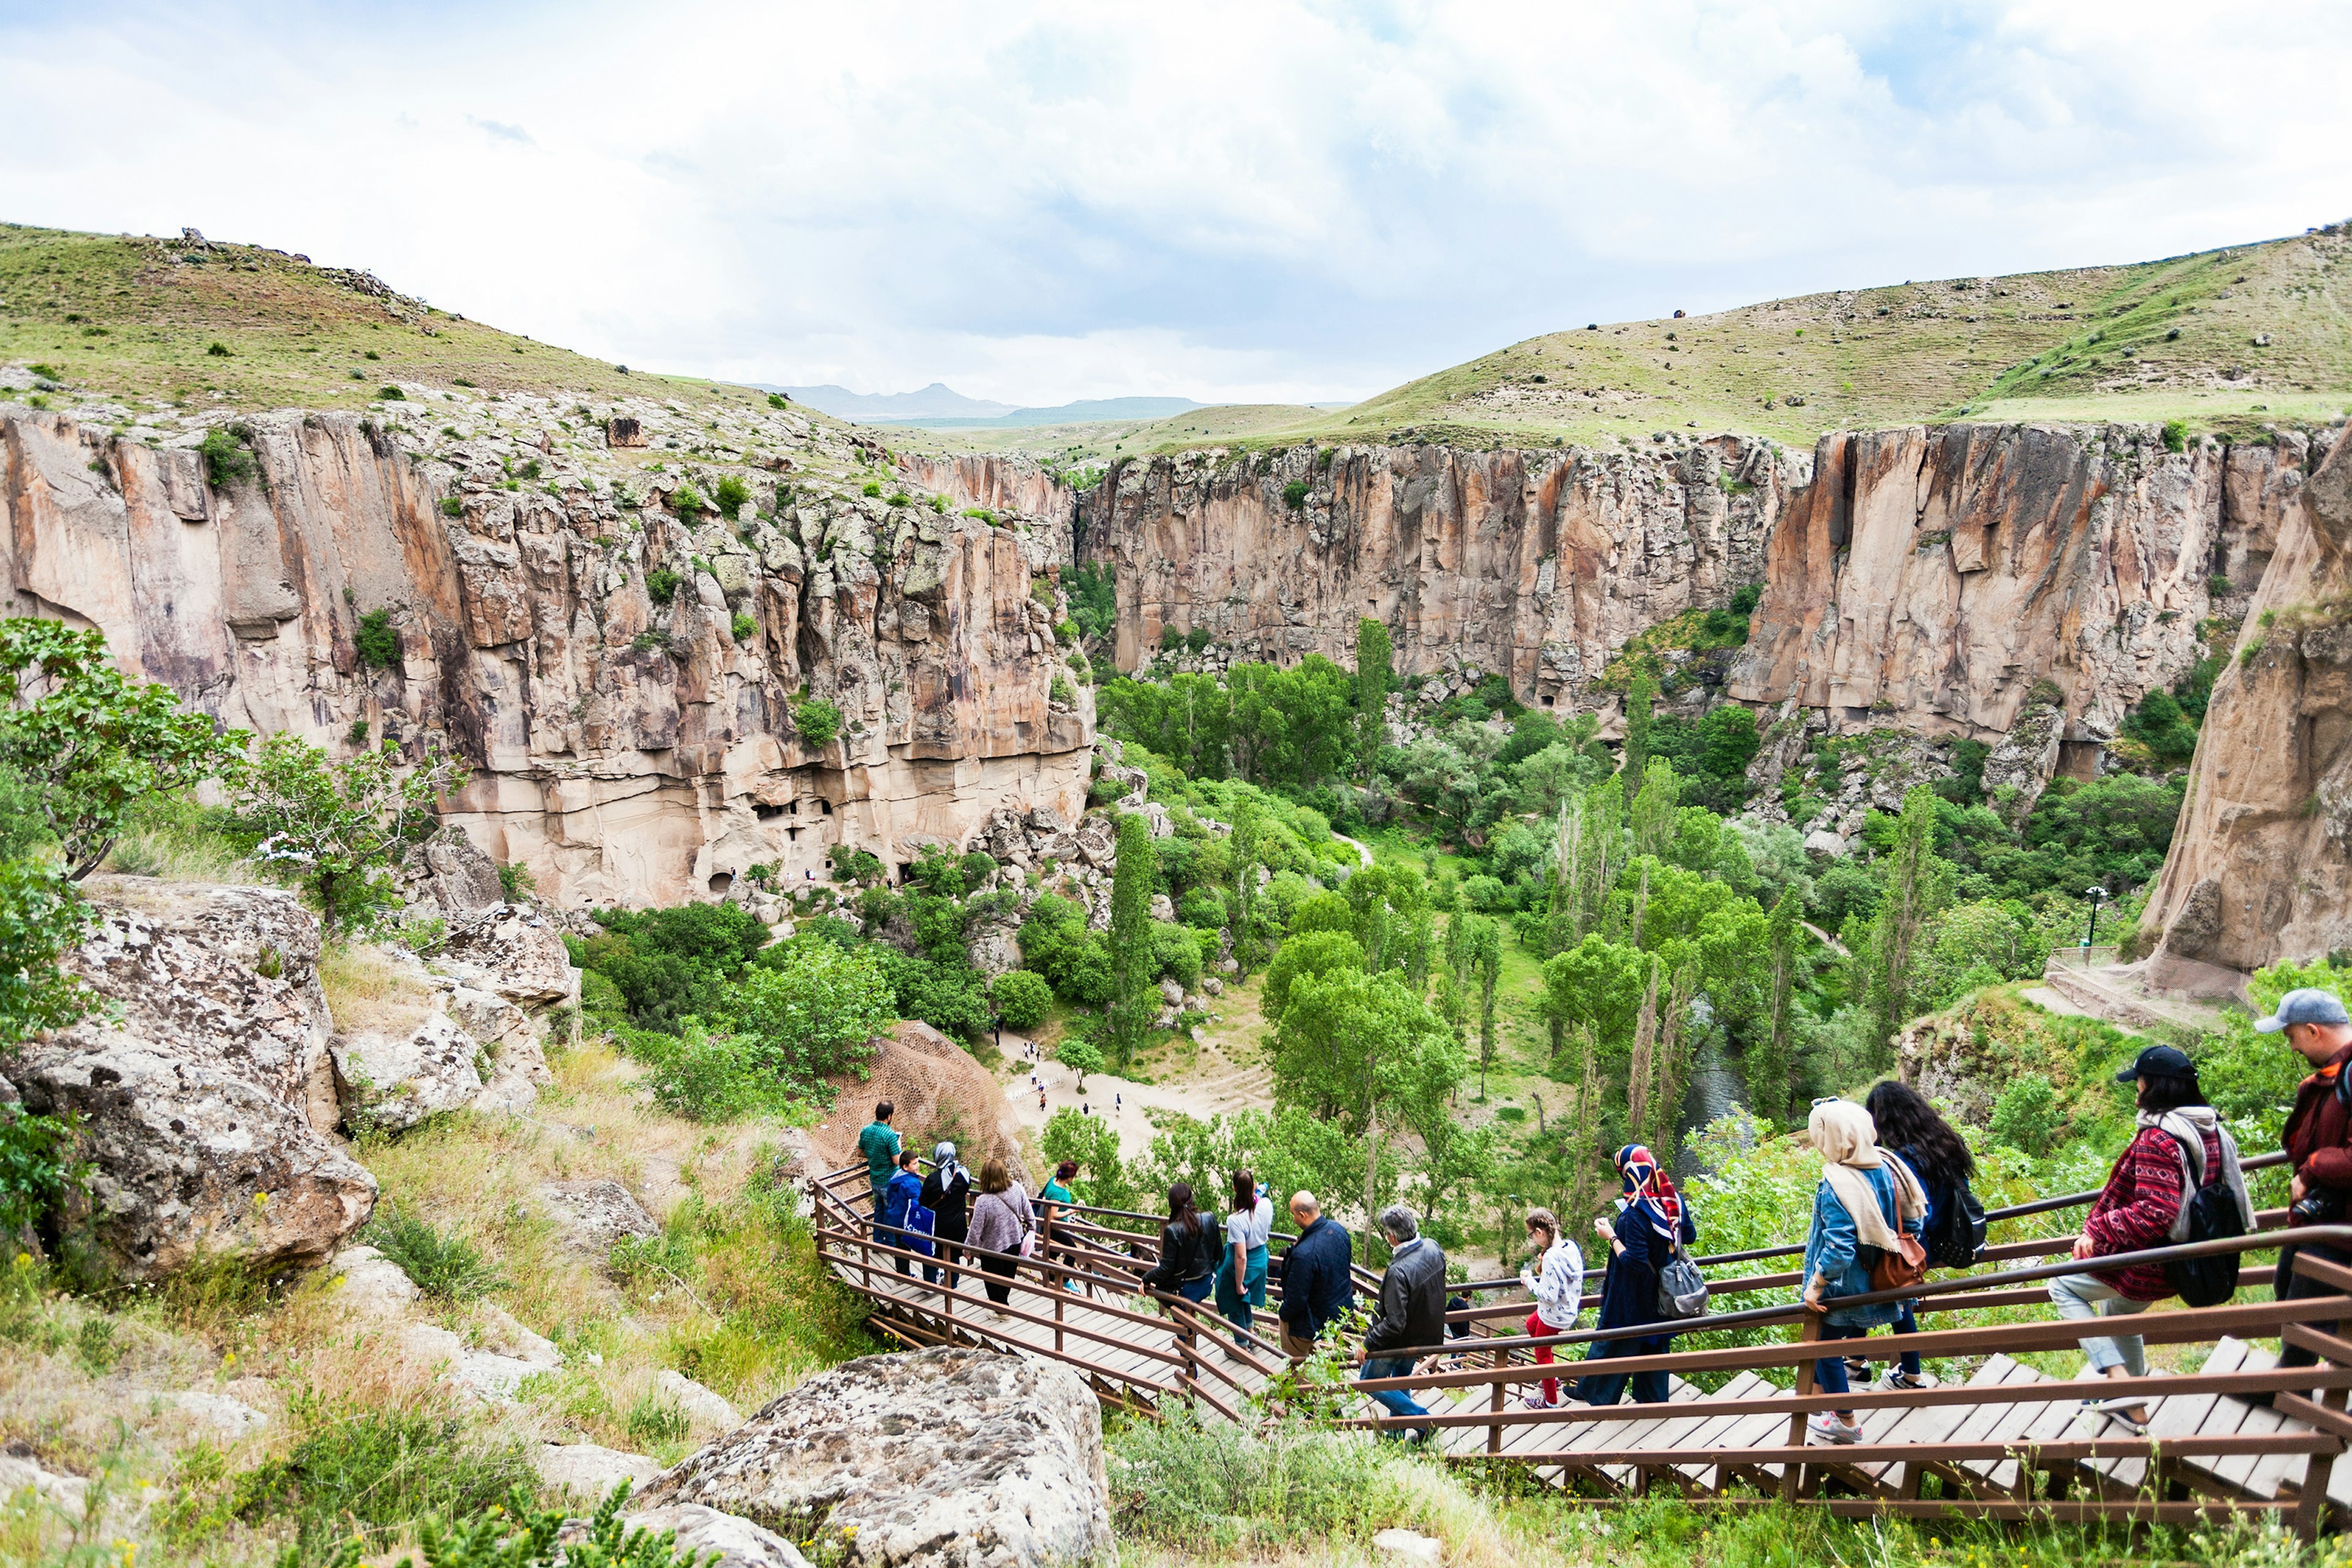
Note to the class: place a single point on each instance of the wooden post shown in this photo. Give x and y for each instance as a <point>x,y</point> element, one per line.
<point>1060,1295</point>
<point>1186,1345</point>
<point>2310,1502</point>
<point>1495,1405</point>
<point>1792,1476</point>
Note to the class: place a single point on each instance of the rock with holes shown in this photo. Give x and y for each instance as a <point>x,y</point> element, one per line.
<point>394,1080</point>
<point>701,1532</point>
<point>954,1457</point>
<point>196,1078</point>
<point>514,952</point>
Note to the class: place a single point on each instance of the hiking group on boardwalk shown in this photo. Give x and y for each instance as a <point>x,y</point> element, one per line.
<point>1893,1202</point>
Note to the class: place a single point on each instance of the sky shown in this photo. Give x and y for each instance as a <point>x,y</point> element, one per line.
<point>1269,201</point>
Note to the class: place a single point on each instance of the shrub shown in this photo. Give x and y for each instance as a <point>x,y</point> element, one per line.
<point>1294,494</point>
<point>453,506</point>
<point>442,1264</point>
<point>391,395</point>
<point>336,827</point>
<point>1022,998</point>
<point>357,735</point>
<point>1202,908</point>
<point>900,498</point>
<point>1059,690</point>
<point>1194,1485</point>
<point>873,488</point>
<point>37,1165</point>
<point>2176,432</point>
<point>778,400</point>
<point>516,882</point>
<point>811,1007</point>
<point>227,460</point>
<point>731,493</point>
<point>2027,1118</point>
<point>216,350</point>
<point>384,1471</point>
<point>661,584</point>
<point>744,625</point>
<point>817,721</point>
<point>687,502</point>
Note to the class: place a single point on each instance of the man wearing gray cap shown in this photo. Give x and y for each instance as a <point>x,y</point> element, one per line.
<point>2318,1135</point>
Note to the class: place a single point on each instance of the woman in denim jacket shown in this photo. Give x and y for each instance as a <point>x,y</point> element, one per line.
<point>1865,1201</point>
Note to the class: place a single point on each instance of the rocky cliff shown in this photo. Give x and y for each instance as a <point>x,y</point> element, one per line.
<point>2261,866</point>
<point>624,668</point>
<point>1930,579</point>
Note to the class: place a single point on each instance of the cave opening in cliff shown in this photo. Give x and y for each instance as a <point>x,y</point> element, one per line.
<point>719,882</point>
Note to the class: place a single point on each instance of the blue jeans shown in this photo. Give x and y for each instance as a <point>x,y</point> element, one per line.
<point>1396,1401</point>
<point>1649,1387</point>
<point>1828,1373</point>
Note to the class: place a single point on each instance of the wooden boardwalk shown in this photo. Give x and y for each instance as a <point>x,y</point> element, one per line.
<point>2009,1441</point>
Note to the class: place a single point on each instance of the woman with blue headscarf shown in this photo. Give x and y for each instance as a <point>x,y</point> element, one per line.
<point>1651,1217</point>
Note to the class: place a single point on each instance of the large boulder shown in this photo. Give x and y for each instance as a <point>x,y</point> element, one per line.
<point>451,871</point>
<point>939,1090</point>
<point>514,951</point>
<point>203,1080</point>
<point>737,1543</point>
<point>394,1079</point>
<point>954,1457</point>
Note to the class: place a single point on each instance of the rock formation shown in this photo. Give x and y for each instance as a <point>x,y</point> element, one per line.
<point>626,749</point>
<point>2261,868</point>
<point>204,1080</point>
<point>953,1458</point>
<point>940,1091</point>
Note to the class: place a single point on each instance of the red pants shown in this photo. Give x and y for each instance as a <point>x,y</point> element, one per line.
<point>1536,1327</point>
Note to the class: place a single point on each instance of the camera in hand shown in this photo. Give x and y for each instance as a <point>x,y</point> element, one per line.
<point>2320,1205</point>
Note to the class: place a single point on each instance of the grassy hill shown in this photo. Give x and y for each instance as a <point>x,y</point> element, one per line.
<point>2221,339</point>
<point>144,320</point>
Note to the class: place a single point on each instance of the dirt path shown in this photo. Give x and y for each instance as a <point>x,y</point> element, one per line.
<point>1222,1074</point>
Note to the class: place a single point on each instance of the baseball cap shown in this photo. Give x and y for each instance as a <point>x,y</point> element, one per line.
<point>2157,1061</point>
<point>2308,1005</point>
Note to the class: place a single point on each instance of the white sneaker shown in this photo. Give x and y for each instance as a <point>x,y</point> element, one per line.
<point>1537,1402</point>
<point>1827,1428</point>
<point>1893,1381</point>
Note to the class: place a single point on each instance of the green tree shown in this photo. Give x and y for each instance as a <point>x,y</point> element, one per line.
<point>1597,985</point>
<point>1652,817</point>
<point>1914,885</point>
<point>1373,676</point>
<point>1348,1043</point>
<point>90,742</point>
<point>1081,1056</point>
<point>1022,999</point>
<point>1133,966</point>
<point>1769,1062</point>
<point>1485,945</point>
<point>1249,832</point>
<point>337,828</point>
<point>42,918</point>
<point>1103,1181</point>
<point>1315,952</point>
<point>1634,759</point>
<point>816,1012</point>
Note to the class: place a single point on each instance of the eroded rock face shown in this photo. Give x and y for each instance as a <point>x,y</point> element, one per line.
<point>2261,865</point>
<point>625,751</point>
<point>946,1456</point>
<point>199,1078</point>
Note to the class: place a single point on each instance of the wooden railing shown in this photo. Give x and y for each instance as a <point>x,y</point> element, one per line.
<point>1986,1449</point>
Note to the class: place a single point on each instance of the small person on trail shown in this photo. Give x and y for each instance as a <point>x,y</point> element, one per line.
<point>1651,1216</point>
<point>1555,1277</point>
<point>2142,1206</point>
<point>1866,1204</point>
<point>1052,1199</point>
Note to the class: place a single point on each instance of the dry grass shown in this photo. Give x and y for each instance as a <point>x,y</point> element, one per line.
<point>367,987</point>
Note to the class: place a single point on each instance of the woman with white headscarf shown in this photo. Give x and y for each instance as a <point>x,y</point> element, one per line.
<point>1865,1205</point>
<point>945,1191</point>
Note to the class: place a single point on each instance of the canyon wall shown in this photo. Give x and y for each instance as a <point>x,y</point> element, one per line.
<point>2261,866</point>
<point>1915,578</point>
<point>624,750</point>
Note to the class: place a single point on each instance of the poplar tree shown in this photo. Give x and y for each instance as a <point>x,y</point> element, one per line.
<point>1131,936</point>
<point>1913,886</point>
<point>1490,969</point>
<point>1767,1063</point>
<point>1634,759</point>
<point>1249,829</point>
<point>1373,678</point>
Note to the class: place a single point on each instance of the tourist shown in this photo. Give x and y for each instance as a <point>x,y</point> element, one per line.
<point>945,1191</point>
<point>1651,1217</point>
<point>1555,1277</point>
<point>1241,1272</point>
<point>1052,1197</point>
<point>2142,1206</point>
<point>1864,1205</point>
<point>2318,1137</point>
<point>1041,1099</point>
<point>1000,1224</point>
<point>1910,1130</point>
<point>903,1195</point>
<point>1189,1247</point>
<point>1316,1288</point>
<point>878,1146</point>
<point>1413,1316</point>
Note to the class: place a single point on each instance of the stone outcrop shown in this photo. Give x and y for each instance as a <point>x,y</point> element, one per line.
<point>626,749</point>
<point>2261,867</point>
<point>204,1079</point>
<point>961,1458</point>
<point>936,1085</point>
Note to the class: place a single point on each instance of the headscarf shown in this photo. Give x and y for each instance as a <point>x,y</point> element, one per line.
<point>943,1159</point>
<point>1848,1140</point>
<point>1639,1173</point>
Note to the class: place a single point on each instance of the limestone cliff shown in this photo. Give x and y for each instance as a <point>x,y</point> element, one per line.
<point>1914,578</point>
<point>627,748</point>
<point>2261,868</point>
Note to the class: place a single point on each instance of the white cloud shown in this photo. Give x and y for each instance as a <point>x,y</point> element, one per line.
<point>1060,199</point>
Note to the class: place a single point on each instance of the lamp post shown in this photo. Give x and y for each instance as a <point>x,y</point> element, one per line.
<point>2096,894</point>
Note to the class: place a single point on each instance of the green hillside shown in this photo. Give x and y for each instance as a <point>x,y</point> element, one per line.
<point>139,319</point>
<point>2227,337</point>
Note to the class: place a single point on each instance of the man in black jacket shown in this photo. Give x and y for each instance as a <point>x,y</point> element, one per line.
<point>1316,1288</point>
<point>1412,1314</point>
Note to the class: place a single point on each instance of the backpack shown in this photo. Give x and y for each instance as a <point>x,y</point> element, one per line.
<point>1682,1288</point>
<point>1958,1233</point>
<point>2209,1213</point>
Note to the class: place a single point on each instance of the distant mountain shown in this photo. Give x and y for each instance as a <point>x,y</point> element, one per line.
<point>1086,411</point>
<point>937,401</point>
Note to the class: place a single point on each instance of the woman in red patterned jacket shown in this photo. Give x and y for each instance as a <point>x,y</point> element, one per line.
<point>2141,1208</point>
